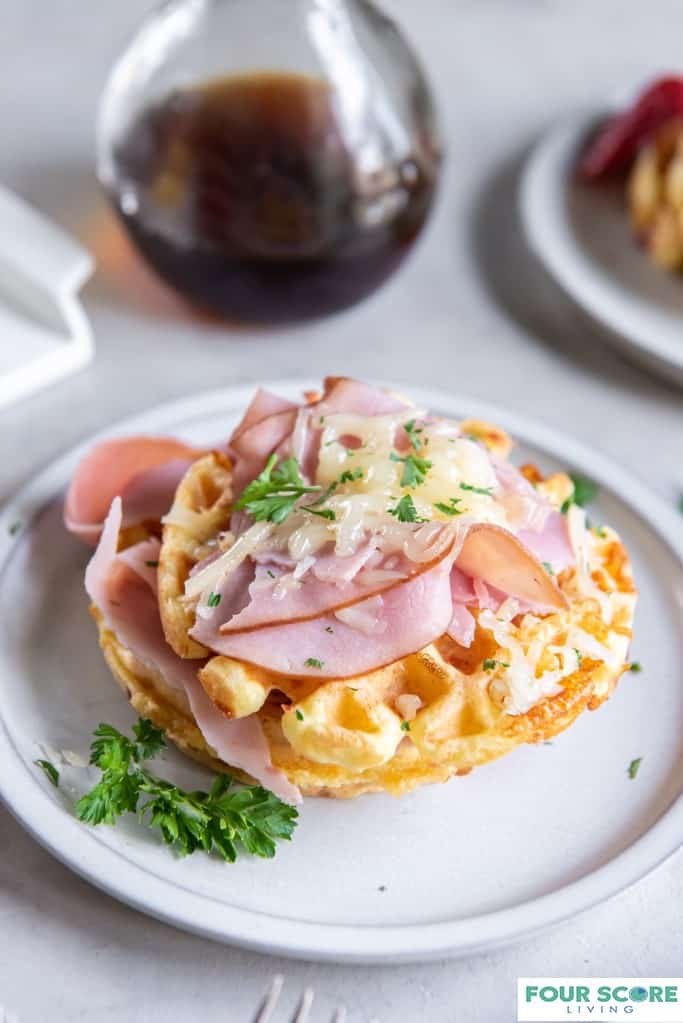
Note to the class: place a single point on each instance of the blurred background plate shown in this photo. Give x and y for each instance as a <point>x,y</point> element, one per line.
<point>447,870</point>
<point>582,234</point>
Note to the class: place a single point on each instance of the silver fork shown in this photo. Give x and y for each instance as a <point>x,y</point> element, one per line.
<point>302,1012</point>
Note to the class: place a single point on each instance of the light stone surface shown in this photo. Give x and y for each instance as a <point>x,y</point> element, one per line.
<point>471,312</point>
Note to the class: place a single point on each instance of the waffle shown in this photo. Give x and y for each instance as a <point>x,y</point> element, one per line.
<point>424,718</point>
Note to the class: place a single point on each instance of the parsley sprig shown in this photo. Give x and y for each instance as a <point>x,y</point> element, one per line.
<point>272,496</point>
<point>220,820</point>
<point>405,510</point>
<point>451,506</point>
<point>414,469</point>
<point>583,493</point>
<point>414,434</point>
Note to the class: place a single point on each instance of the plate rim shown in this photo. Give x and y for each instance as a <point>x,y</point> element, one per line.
<point>542,204</point>
<point>27,798</point>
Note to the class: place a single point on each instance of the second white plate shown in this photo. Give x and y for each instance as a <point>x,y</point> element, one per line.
<point>448,870</point>
<point>583,236</point>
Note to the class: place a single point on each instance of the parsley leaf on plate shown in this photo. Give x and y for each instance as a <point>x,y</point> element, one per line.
<point>222,820</point>
<point>634,767</point>
<point>50,771</point>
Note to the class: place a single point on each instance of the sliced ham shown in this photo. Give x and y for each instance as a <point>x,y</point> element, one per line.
<point>342,394</point>
<point>552,544</point>
<point>462,625</point>
<point>499,559</point>
<point>411,615</point>
<point>525,507</point>
<point>143,471</point>
<point>311,595</point>
<point>124,590</point>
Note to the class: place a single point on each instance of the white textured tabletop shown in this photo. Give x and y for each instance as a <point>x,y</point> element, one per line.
<point>471,312</point>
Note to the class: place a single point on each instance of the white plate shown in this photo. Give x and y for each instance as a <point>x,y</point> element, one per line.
<point>448,870</point>
<point>582,234</point>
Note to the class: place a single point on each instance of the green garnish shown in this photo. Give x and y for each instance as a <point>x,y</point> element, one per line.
<point>485,491</point>
<point>414,469</point>
<point>636,666</point>
<point>313,662</point>
<point>214,599</point>
<point>152,564</point>
<point>271,574</point>
<point>548,567</point>
<point>328,628</point>
<point>599,531</point>
<point>405,726</point>
<point>405,510</point>
<point>14,528</point>
<point>583,493</point>
<point>50,771</point>
<point>413,432</point>
<point>299,715</point>
<point>323,513</point>
<point>489,664</point>
<point>634,767</point>
<point>271,497</point>
<point>348,475</point>
<point>219,820</point>
<point>579,655</point>
<point>450,507</point>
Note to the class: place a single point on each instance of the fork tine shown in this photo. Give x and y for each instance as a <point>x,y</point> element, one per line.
<point>303,1009</point>
<point>270,1001</point>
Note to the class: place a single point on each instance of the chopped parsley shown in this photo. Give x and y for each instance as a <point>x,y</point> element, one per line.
<point>600,531</point>
<point>50,771</point>
<point>634,767</point>
<point>299,715</point>
<point>485,491</point>
<point>313,662</point>
<point>323,513</point>
<point>413,434</point>
<point>14,528</point>
<point>152,564</point>
<point>328,628</point>
<point>214,599</point>
<point>271,574</point>
<point>579,656</point>
<point>489,664</point>
<point>405,726</point>
<point>414,469</point>
<point>583,493</point>
<point>449,508</point>
<point>636,666</point>
<point>272,496</point>
<point>348,475</point>
<point>405,510</point>
<point>548,567</point>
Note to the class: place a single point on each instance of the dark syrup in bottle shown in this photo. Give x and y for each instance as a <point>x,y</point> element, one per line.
<point>244,196</point>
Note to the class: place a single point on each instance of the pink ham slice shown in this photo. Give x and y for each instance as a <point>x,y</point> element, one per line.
<point>314,595</point>
<point>411,615</point>
<point>143,471</point>
<point>500,559</point>
<point>342,394</point>
<point>552,544</point>
<point>122,587</point>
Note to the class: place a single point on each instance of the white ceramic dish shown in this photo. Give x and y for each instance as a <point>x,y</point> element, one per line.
<point>583,236</point>
<point>448,870</point>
